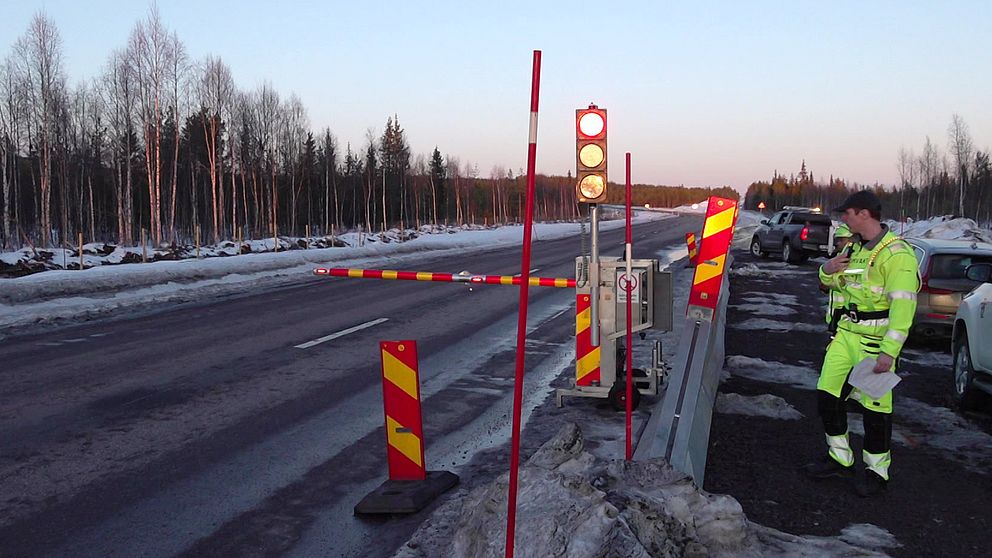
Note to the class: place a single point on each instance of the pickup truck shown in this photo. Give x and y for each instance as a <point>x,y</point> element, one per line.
<point>795,233</point>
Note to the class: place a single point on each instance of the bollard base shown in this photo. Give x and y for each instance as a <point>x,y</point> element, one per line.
<point>406,496</point>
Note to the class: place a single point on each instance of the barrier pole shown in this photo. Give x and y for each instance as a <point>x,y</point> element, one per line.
<point>80,251</point>
<point>630,295</point>
<point>518,382</point>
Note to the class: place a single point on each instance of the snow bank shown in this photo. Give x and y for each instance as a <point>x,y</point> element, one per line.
<point>571,503</point>
<point>944,227</point>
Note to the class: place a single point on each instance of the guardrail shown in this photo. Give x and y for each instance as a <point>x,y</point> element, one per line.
<point>679,427</point>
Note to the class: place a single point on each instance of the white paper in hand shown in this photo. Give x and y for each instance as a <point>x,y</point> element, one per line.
<point>875,385</point>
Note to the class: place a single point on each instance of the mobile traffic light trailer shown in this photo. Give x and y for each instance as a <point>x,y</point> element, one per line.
<point>599,365</point>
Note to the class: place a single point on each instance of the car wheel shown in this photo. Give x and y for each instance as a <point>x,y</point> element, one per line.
<point>789,254</point>
<point>756,250</point>
<point>965,393</point>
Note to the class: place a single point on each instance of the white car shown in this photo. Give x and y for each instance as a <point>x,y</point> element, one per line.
<point>971,342</point>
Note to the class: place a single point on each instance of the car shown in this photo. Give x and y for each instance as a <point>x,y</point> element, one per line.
<point>943,282</point>
<point>795,232</point>
<point>971,340</point>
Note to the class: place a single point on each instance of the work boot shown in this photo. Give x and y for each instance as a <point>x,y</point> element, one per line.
<point>871,485</point>
<point>826,467</point>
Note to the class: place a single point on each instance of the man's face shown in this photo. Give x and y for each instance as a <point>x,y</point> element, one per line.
<point>855,219</point>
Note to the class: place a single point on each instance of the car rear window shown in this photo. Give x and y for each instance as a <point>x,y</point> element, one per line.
<point>952,266</point>
<point>813,218</point>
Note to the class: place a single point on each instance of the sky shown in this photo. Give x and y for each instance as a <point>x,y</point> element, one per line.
<point>700,93</point>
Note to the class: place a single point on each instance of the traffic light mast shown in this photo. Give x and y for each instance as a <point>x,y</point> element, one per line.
<point>590,187</point>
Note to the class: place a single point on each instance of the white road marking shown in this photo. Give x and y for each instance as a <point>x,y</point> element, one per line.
<point>535,270</point>
<point>341,333</point>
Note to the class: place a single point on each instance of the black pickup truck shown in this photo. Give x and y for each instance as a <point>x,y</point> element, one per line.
<point>796,233</point>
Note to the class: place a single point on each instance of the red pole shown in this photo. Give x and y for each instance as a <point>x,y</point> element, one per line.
<point>518,382</point>
<point>630,295</point>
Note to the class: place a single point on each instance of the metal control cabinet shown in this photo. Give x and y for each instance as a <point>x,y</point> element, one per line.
<point>651,302</point>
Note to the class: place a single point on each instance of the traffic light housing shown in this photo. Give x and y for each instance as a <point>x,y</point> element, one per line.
<point>590,154</point>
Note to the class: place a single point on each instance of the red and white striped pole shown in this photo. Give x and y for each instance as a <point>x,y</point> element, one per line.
<point>630,295</point>
<point>518,383</point>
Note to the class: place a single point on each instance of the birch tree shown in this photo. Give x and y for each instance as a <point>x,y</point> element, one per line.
<point>119,92</point>
<point>215,90</point>
<point>151,52</point>
<point>962,150</point>
<point>39,65</point>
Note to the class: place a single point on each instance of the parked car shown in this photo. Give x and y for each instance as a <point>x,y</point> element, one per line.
<point>795,232</point>
<point>971,342</point>
<point>942,272</point>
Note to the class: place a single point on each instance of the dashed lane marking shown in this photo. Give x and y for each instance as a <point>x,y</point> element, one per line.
<point>341,333</point>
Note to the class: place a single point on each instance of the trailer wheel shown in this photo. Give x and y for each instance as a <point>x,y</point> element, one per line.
<point>618,396</point>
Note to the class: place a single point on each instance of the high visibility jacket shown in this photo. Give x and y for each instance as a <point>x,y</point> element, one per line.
<point>882,278</point>
<point>836,300</point>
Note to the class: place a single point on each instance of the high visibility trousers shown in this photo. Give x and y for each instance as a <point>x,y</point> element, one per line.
<point>844,352</point>
<point>877,453</point>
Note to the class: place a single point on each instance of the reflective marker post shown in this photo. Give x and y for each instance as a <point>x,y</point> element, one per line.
<point>630,346</point>
<point>518,382</point>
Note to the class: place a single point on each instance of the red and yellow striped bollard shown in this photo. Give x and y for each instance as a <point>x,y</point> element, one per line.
<point>718,233</point>
<point>410,486</point>
<point>401,399</point>
<point>690,242</point>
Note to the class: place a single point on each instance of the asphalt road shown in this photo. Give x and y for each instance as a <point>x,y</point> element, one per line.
<point>938,498</point>
<point>218,428</point>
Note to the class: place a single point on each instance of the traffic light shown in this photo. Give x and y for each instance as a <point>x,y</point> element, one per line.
<point>590,154</point>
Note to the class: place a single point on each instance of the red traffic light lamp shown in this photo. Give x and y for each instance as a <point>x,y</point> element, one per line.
<point>590,154</point>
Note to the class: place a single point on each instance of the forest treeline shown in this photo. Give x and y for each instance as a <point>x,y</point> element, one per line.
<point>165,146</point>
<point>957,181</point>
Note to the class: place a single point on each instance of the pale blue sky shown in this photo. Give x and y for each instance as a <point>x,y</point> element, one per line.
<point>701,93</point>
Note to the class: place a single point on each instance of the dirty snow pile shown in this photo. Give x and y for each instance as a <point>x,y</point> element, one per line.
<point>944,227</point>
<point>574,504</point>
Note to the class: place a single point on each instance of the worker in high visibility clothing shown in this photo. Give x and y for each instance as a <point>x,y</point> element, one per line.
<point>879,281</point>
<point>843,240</point>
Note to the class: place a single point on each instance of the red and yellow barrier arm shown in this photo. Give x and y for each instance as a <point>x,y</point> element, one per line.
<point>558,282</point>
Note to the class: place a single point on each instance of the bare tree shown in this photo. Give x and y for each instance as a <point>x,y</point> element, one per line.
<point>8,147</point>
<point>928,163</point>
<point>453,172</point>
<point>39,65</point>
<point>119,92</point>
<point>151,52</point>
<point>267,114</point>
<point>329,150</point>
<point>962,150</point>
<point>293,123</point>
<point>179,79</point>
<point>215,90</point>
